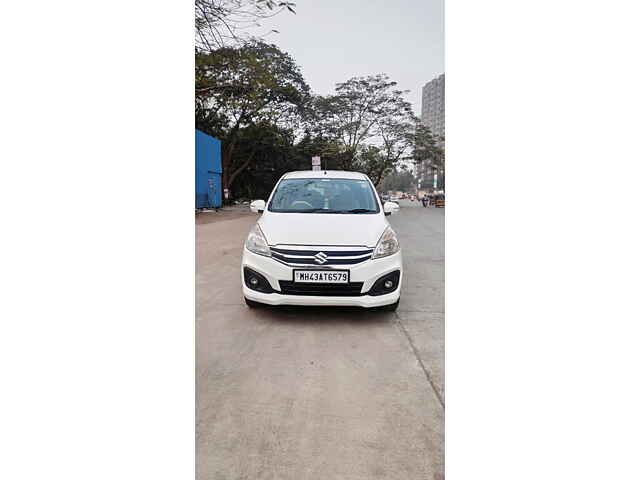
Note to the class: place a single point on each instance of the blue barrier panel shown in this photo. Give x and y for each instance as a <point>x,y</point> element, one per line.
<point>208,171</point>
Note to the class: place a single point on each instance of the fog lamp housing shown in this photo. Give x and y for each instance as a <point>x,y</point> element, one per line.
<point>256,281</point>
<point>386,284</point>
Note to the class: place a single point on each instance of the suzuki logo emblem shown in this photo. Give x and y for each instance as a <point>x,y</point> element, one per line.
<point>320,258</point>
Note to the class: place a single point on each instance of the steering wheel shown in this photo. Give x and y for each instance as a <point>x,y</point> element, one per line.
<point>302,202</point>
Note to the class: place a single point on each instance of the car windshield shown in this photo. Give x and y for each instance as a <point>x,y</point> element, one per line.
<point>324,195</point>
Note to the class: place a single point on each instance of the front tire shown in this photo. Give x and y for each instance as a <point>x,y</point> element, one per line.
<point>391,307</point>
<point>252,304</point>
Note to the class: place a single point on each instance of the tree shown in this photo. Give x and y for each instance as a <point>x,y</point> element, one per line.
<point>221,23</point>
<point>238,89</point>
<point>328,150</point>
<point>426,147</point>
<point>367,123</point>
<point>396,130</point>
<point>274,153</point>
<point>400,179</point>
<point>428,151</point>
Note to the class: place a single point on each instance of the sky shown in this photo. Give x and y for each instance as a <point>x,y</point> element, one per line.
<point>334,40</point>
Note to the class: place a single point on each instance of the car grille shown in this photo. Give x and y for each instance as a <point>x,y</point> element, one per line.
<point>321,256</point>
<point>352,289</point>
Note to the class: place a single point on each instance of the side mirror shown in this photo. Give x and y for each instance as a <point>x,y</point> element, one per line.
<point>390,208</point>
<point>257,206</point>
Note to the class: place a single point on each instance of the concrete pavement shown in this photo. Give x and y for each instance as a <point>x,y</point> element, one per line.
<point>319,393</point>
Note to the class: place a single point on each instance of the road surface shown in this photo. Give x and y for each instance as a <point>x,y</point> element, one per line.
<point>319,393</point>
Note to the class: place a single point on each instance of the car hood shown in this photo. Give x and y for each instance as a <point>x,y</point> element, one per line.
<point>322,228</point>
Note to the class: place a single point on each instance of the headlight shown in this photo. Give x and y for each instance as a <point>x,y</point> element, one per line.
<point>256,242</point>
<point>387,245</point>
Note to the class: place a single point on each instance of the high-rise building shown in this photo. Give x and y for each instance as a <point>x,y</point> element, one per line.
<point>433,105</point>
<point>433,117</point>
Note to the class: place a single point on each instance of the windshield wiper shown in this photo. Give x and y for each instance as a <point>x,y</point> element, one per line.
<point>358,210</point>
<point>327,210</point>
<point>311,210</point>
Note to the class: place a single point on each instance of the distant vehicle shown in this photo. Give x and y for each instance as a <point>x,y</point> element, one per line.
<point>385,198</point>
<point>393,198</point>
<point>323,239</point>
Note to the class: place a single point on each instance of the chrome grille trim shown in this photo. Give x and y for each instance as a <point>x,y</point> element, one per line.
<point>342,257</point>
<point>305,256</point>
<point>311,251</point>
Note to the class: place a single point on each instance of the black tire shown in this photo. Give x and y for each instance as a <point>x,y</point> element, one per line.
<point>391,307</point>
<point>252,304</point>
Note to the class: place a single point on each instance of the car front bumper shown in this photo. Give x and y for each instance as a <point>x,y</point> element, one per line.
<point>367,272</point>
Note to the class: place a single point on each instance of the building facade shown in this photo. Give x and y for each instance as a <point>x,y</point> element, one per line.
<point>433,105</point>
<point>433,117</point>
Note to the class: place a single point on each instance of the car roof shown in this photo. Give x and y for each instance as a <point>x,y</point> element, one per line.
<point>325,174</point>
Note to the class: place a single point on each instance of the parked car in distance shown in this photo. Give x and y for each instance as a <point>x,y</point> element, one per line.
<point>322,239</point>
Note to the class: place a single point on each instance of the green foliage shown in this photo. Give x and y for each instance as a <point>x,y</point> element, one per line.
<point>241,91</point>
<point>274,152</point>
<point>428,153</point>
<point>254,98</point>
<point>236,87</point>
<point>399,180</point>
<point>427,148</point>
<point>367,125</point>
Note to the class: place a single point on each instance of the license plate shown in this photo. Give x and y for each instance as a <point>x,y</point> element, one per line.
<point>321,276</point>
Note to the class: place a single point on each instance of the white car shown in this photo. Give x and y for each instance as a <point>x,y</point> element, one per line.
<point>322,239</point>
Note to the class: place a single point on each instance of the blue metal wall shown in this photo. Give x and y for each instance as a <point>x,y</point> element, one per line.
<point>208,171</point>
